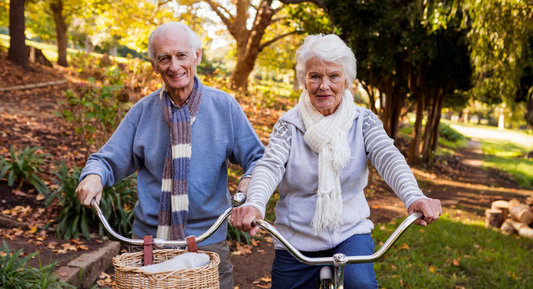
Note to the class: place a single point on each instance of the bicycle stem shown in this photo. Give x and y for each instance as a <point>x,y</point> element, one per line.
<point>237,200</point>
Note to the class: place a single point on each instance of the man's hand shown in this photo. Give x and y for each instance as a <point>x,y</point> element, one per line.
<point>243,185</point>
<point>89,188</point>
<point>242,218</point>
<point>429,207</point>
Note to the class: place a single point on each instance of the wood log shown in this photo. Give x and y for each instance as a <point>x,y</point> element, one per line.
<point>501,205</point>
<point>529,201</point>
<point>507,228</point>
<point>522,213</point>
<point>493,218</point>
<point>516,225</point>
<point>513,202</point>
<point>526,232</point>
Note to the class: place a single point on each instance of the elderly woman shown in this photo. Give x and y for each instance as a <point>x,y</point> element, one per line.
<point>317,155</point>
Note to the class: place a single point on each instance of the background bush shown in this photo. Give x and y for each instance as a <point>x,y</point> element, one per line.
<point>74,219</point>
<point>24,165</point>
<point>16,273</point>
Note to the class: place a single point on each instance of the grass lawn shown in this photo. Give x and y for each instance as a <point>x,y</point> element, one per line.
<point>453,254</point>
<point>50,50</point>
<point>503,155</point>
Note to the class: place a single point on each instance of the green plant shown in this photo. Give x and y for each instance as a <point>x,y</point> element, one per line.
<point>449,133</point>
<point>94,112</point>
<point>237,235</point>
<point>24,165</point>
<point>15,271</point>
<point>117,206</point>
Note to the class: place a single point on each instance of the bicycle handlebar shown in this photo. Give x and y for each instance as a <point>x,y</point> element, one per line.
<point>340,259</point>
<point>238,199</point>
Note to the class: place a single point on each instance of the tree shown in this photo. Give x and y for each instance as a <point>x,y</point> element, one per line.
<point>250,42</point>
<point>439,66</point>
<point>376,30</point>
<point>58,13</point>
<point>498,43</point>
<point>18,52</point>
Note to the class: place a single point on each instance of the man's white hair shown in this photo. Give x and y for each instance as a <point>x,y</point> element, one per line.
<point>328,48</point>
<point>174,27</point>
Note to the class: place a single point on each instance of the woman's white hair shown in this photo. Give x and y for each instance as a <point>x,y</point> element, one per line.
<point>173,27</point>
<point>328,48</point>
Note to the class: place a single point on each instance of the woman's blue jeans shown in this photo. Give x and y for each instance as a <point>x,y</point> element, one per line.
<point>289,273</point>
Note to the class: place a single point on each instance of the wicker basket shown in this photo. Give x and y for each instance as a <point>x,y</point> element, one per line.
<point>129,275</point>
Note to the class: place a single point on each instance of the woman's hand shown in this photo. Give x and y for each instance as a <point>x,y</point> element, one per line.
<point>430,208</point>
<point>242,218</point>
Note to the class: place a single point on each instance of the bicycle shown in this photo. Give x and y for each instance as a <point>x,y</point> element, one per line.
<point>327,279</point>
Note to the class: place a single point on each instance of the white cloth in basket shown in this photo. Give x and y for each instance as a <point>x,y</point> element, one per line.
<point>183,261</point>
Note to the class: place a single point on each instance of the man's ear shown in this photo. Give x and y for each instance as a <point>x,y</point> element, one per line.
<point>154,67</point>
<point>198,57</point>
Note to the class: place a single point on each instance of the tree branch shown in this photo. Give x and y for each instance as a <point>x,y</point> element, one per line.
<point>265,44</point>
<point>278,19</point>
<point>217,8</point>
<point>316,2</point>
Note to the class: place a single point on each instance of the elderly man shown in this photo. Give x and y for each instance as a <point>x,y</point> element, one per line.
<point>179,139</point>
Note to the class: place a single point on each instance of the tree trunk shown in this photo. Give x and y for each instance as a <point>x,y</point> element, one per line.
<point>431,122</point>
<point>248,49</point>
<point>61,31</point>
<point>436,129</point>
<point>394,101</point>
<point>414,147</point>
<point>17,52</point>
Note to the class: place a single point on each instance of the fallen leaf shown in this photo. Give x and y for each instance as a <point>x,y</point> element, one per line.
<point>40,197</point>
<point>432,269</point>
<point>404,246</point>
<point>19,193</point>
<point>456,261</point>
<point>62,274</point>
<point>104,275</point>
<point>33,228</point>
<point>266,279</point>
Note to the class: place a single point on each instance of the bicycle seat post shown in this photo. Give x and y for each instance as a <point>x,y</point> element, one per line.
<point>339,263</point>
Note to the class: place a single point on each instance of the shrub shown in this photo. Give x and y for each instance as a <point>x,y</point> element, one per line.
<point>24,165</point>
<point>117,206</point>
<point>449,133</point>
<point>15,272</point>
<point>237,235</point>
<point>94,112</point>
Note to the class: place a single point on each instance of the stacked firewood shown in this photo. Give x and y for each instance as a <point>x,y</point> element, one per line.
<point>511,216</point>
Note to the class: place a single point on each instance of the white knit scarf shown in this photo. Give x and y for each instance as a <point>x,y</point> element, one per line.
<point>327,137</point>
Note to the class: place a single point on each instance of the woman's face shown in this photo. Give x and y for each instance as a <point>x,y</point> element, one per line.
<point>325,83</point>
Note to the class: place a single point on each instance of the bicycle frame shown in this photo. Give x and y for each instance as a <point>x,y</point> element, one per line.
<point>339,260</point>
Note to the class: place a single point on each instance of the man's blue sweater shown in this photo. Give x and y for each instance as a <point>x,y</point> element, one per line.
<point>221,132</point>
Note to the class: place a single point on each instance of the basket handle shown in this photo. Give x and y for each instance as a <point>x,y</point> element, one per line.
<point>191,244</point>
<point>148,250</point>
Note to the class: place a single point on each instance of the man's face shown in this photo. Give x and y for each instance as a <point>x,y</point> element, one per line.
<point>176,62</point>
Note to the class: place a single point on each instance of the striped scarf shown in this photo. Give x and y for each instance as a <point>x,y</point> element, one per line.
<point>174,201</point>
